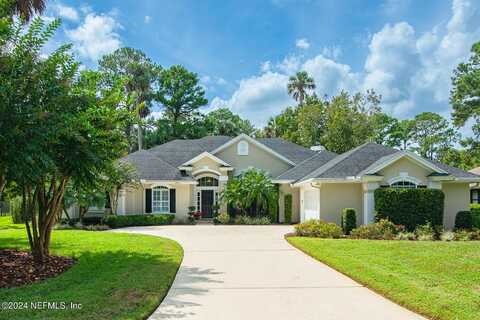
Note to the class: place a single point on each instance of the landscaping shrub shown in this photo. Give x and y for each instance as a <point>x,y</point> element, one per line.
<point>318,229</point>
<point>381,230</point>
<point>475,209</point>
<point>425,232</point>
<point>222,218</point>
<point>467,235</point>
<point>349,220</point>
<point>447,236</point>
<point>464,220</point>
<point>410,207</point>
<point>406,236</point>
<point>114,221</point>
<point>288,208</point>
<point>92,221</point>
<point>243,219</point>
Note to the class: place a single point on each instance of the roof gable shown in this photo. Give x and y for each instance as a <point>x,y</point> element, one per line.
<point>307,166</point>
<point>256,143</point>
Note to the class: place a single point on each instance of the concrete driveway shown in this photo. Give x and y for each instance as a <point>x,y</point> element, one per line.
<point>251,272</point>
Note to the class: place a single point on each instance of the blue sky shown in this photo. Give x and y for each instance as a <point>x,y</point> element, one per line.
<point>244,51</point>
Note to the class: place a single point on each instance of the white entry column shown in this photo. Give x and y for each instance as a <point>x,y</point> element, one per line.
<point>369,201</point>
<point>121,204</point>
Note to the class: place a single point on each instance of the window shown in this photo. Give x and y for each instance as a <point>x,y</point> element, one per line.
<point>207,182</point>
<point>242,148</point>
<point>403,184</point>
<point>198,201</point>
<point>160,200</point>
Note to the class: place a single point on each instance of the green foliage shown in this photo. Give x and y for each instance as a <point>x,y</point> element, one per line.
<point>252,189</point>
<point>410,207</point>
<point>139,77</point>
<point>381,230</point>
<point>180,94</point>
<point>299,85</point>
<point>138,220</point>
<point>464,220</point>
<point>349,220</point>
<point>318,229</point>
<point>223,122</point>
<point>433,135</point>
<point>426,233</point>
<point>467,235</point>
<point>246,220</point>
<point>222,218</point>
<point>288,208</point>
<point>475,209</point>
<point>465,93</point>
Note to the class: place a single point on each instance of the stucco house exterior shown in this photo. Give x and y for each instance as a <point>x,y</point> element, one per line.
<point>184,173</point>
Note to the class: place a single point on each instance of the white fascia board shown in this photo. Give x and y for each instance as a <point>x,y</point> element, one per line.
<point>255,142</point>
<point>281,181</point>
<point>424,163</point>
<point>144,181</point>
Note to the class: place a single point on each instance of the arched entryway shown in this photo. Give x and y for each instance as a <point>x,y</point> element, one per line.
<point>206,194</point>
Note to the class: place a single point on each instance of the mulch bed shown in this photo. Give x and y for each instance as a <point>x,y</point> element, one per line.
<point>17,268</point>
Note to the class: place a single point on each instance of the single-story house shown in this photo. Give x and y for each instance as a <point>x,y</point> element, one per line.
<point>475,188</point>
<point>184,173</point>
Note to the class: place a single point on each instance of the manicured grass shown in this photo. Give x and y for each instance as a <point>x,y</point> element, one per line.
<point>440,280</point>
<point>117,276</point>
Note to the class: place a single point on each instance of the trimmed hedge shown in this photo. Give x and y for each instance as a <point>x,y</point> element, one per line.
<point>114,221</point>
<point>464,220</point>
<point>410,207</point>
<point>288,208</point>
<point>475,209</point>
<point>349,220</point>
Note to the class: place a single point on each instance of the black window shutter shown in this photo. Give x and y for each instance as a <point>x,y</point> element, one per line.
<point>172,201</point>
<point>148,200</point>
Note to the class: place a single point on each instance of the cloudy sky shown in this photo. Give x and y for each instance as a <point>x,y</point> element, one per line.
<point>244,51</point>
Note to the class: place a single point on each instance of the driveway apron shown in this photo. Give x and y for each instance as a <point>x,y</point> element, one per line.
<point>251,272</point>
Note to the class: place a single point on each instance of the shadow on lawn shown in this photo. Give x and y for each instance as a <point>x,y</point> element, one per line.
<point>108,285</point>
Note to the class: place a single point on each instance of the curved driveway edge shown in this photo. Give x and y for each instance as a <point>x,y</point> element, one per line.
<point>252,272</point>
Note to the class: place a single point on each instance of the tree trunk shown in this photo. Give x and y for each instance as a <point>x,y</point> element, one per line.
<point>140,137</point>
<point>43,207</point>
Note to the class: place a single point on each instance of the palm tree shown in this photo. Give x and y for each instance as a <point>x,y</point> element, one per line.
<point>26,8</point>
<point>299,84</point>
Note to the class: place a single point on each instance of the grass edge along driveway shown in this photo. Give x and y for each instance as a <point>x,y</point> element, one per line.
<point>440,280</point>
<point>117,276</point>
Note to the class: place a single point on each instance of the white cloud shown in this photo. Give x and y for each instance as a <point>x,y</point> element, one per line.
<point>66,12</point>
<point>96,36</point>
<point>302,43</point>
<point>411,71</point>
<point>333,52</point>
<point>147,19</point>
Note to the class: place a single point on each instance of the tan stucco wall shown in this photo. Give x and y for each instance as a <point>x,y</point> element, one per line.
<point>334,197</point>
<point>135,198</point>
<point>205,163</point>
<point>257,158</point>
<point>295,192</point>
<point>405,165</point>
<point>457,198</point>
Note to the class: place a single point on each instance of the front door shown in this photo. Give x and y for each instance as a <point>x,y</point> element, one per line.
<point>207,203</point>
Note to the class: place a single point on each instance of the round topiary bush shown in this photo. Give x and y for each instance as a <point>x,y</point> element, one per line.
<point>464,220</point>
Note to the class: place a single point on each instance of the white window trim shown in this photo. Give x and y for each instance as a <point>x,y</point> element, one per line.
<point>405,178</point>
<point>242,148</point>
<point>162,188</point>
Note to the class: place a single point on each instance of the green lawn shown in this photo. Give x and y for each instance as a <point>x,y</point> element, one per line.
<point>117,276</point>
<point>440,280</point>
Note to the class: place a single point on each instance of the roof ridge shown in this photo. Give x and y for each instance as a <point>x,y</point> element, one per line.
<point>302,162</point>
<point>334,161</point>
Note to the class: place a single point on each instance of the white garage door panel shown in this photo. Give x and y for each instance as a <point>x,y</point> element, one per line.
<point>312,204</point>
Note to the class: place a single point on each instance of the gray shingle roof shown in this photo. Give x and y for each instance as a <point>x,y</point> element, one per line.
<point>307,166</point>
<point>357,161</point>
<point>289,150</point>
<point>177,152</point>
<point>150,167</point>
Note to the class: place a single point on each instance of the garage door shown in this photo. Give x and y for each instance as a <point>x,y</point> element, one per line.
<point>312,204</point>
